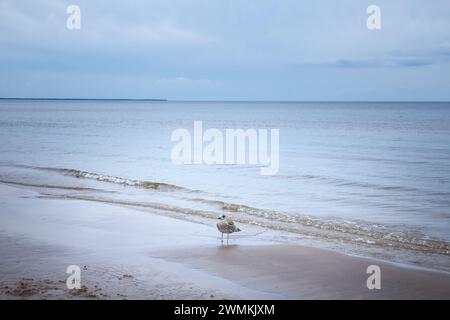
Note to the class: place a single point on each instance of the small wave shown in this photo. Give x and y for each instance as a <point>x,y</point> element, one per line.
<point>368,233</point>
<point>113,179</point>
<point>48,186</point>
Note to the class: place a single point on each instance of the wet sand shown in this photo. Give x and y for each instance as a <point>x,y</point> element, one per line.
<point>124,253</point>
<point>298,272</point>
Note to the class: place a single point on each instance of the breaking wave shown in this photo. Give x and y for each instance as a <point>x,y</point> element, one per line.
<point>112,179</point>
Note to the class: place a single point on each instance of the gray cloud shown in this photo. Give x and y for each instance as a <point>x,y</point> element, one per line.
<point>252,49</point>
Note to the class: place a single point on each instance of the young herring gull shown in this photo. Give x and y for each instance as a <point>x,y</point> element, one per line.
<point>226,225</point>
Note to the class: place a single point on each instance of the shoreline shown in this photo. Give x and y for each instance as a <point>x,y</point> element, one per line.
<point>126,253</point>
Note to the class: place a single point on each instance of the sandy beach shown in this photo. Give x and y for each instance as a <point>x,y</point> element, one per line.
<point>126,253</point>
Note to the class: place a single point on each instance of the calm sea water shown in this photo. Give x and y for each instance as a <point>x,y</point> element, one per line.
<point>375,174</point>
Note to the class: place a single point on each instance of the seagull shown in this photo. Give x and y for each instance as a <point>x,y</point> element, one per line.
<point>226,225</point>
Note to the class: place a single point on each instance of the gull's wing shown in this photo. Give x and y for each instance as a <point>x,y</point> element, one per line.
<point>231,225</point>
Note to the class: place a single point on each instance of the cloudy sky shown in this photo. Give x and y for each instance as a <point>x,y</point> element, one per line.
<point>226,50</point>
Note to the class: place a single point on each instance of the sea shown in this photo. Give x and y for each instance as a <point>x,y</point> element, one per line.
<point>365,178</point>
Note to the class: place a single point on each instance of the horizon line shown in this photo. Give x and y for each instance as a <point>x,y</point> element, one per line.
<point>218,100</point>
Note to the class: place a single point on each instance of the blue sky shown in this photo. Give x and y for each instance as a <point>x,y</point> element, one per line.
<point>226,50</point>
